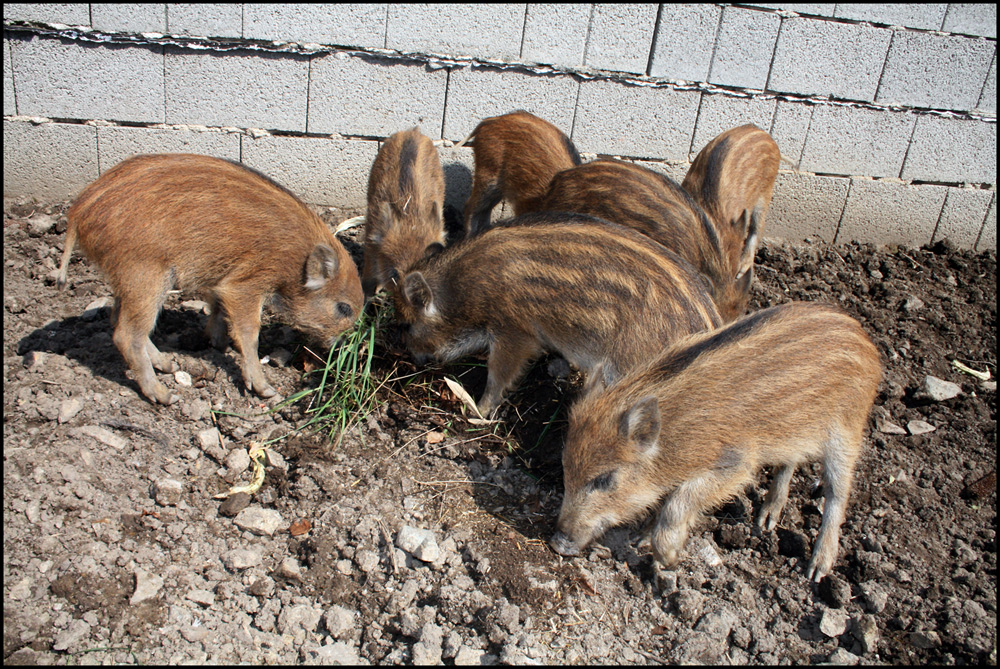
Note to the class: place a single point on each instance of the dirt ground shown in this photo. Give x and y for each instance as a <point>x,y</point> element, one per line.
<point>116,551</point>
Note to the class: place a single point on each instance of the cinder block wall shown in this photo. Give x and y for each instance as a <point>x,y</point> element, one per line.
<point>886,114</point>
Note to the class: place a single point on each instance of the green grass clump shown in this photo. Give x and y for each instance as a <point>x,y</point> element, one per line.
<point>347,389</point>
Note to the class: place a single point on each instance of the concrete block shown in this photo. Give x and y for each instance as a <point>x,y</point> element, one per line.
<point>719,113</point>
<point>885,212</point>
<point>118,143</point>
<point>207,20</point>
<point>972,19</point>
<point>556,34</point>
<point>343,24</point>
<point>857,142</point>
<point>674,170</point>
<point>744,47</point>
<point>458,165</point>
<point>685,41</point>
<point>365,95</point>
<point>476,93</point>
<point>963,215</point>
<point>330,172</point>
<point>988,99</point>
<point>69,14</point>
<point>9,104</point>
<point>953,150</point>
<point>488,31</point>
<point>137,17</point>
<point>790,127</point>
<point>635,121</point>
<point>988,237</point>
<point>925,16</point>
<point>63,79</point>
<point>620,37</point>
<point>237,88</point>
<point>827,58</point>
<point>814,9</point>
<point>935,71</point>
<point>51,161</point>
<point>805,205</point>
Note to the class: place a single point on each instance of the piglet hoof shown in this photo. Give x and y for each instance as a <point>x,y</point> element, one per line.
<point>162,395</point>
<point>767,519</point>
<point>816,571</point>
<point>267,391</point>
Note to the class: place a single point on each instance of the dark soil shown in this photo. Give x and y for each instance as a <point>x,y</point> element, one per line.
<point>84,528</point>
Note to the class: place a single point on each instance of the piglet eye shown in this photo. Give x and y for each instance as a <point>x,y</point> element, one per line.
<point>602,482</point>
<point>344,309</point>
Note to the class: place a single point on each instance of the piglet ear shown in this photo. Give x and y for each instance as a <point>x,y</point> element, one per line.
<point>417,291</point>
<point>640,425</point>
<point>321,266</point>
<point>433,249</point>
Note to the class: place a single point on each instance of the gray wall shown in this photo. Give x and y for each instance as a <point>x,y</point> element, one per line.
<point>886,114</point>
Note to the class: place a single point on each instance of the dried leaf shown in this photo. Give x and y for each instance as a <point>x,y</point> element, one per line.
<point>349,223</point>
<point>300,527</point>
<point>434,437</point>
<point>467,400</point>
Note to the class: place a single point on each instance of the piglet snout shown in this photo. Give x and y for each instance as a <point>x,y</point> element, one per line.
<point>564,545</point>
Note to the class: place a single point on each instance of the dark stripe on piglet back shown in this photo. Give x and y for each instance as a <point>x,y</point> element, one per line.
<point>407,161</point>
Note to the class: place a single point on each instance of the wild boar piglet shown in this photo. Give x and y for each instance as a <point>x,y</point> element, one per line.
<point>651,203</point>
<point>405,204</point>
<point>516,156</point>
<point>790,384</point>
<point>732,178</point>
<point>215,227</point>
<point>592,291</point>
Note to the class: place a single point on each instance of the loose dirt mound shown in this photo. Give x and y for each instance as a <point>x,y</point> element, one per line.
<point>116,551</point>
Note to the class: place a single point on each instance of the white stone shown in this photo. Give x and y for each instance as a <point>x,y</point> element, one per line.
<point>258,520</point>
<point>939,390</point>
<point>919,427</point>
<point>104,436</point>
<point>833,622</point>
<point>146,586</point>
<point>69,409</point>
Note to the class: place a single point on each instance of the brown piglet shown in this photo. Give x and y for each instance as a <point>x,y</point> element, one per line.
<point>207,225</point>
<point>516,156</point>
<point>590,290</point>
<point>732,178</point>
<point>783,386</point>
<point>651,203</point>
<point>405,204</point>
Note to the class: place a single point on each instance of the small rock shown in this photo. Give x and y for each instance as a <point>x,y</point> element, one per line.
<point>336,654</point>
<point>468,657</point>
<point>41,224</point>
<point>989,386</point>
<point>263,587</point>
<point>195,305</point>
<point>843,657</point>
<point>234,504</point>
<point>203,597</point>
<point>427,651</point>
<point>77,631</point>
<point>69,409</point>
<point>913,303</point>
<point>195,634</point>
<point>709,555</point>
<point>717,624</point>
<point>196,410</point>
<point>919,427</point>
<point>558,368</point>
<point>688,604</point>
<point>210,441</point>
<point>366,560</point>
<point>452,644</point>
<point>241,558</point>
<point>237,462</point>
<point>301,616</point>
<point>290,568</point>
<point>34,511</point>
<point>259,520</point>
<point>167,492</point>
<point>146,586</point>
<point>183,379</point>
<point>833,622</point>
<point>419,543</point>
<point>925,640</point>
<point>276,460</point>
<point>339,621</point>
<point>835,591</point>
<point>94,308</point>
<point>866,632</point>
<point>937,390</point>
<point>509,617</point>
<point>106,437</point>
<point>887,427</point>
<point>33,360</point>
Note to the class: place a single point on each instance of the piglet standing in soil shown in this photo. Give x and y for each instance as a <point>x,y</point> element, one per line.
<point>786,385</point>
<point>732,178</point>
<point>592,291</point>
<point>516,156</point>
<point>405,204</point>
<point>651,203</point>
<point>202,224</point>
